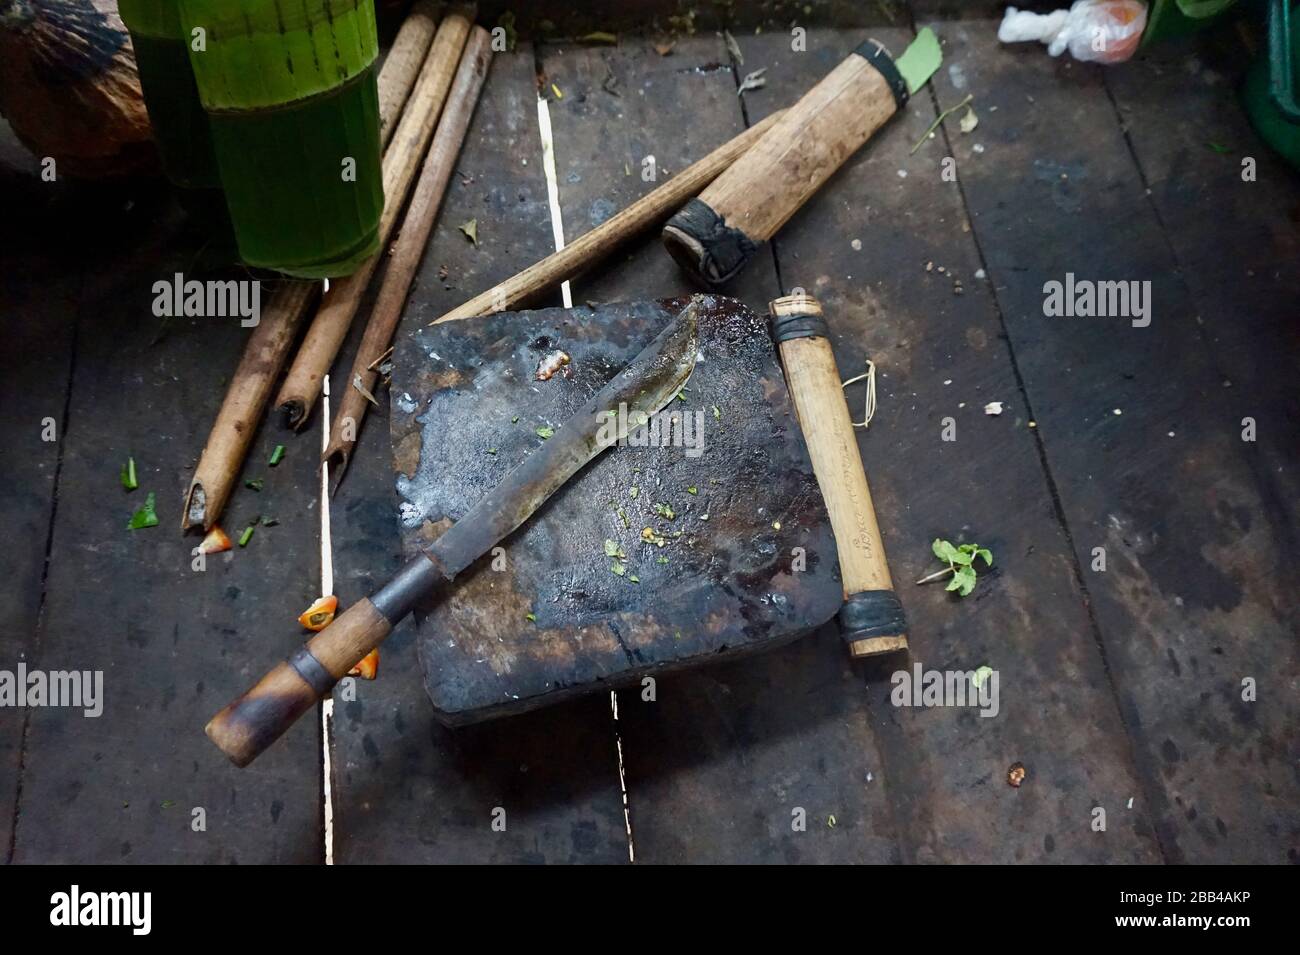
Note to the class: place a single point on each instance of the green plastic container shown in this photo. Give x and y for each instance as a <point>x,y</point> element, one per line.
<point>180,125</point>
<point>1172,18</point>
<point>1269,93</point>
<point>290,92</point>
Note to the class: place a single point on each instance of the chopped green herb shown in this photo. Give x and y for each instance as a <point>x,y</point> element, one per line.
<point>247,536</point>
<point>665,511</point>
<point>618,569</point>
<point>622,516</point>
<point>545,431</point>
<point>270,521</point>
<point>168,803</point>
<point>145,516</point>
<point>612,549</point>
<point>277,455</point>
<point>692,490</point>
<point>515,419</point>
<point>128,475</point>
<point>634,578</point>
<point>530,617</point>
<point>255,485</point>
<point>716,413</point>
<point>661,560</point>
<point>491,450</point>
<point>633,492</point>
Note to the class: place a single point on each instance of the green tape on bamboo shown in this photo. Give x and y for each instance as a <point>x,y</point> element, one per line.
<point>180,125</point>
<point>289,88</point>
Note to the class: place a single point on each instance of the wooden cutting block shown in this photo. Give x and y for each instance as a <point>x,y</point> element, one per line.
<point>745,562</point>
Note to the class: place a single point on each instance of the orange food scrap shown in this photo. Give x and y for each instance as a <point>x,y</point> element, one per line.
<point>368,668</point>
<point>319,614</point>
<point>1016,775</point>
<point>215,542</point>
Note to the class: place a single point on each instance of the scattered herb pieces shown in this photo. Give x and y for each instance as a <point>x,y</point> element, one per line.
<point>168,803</point>
<point>651,536</point>
<point>665,511</point>
<point>320,613</point>
<point>128,475</point>
<point>247,536</point>
<point>633,491</point>
<point>612,549</point>
<point>545,431</point>
<point>270,522</point>
<point>618,569</point>
<point>920,60</point>
<point>255,485</point>
<point>215,542</point>
<point>622,516</point>
<point>692,490</point>
<point>145,515</point>
<point>716,413</point>
<point>491,450</point>
<point>982,674</point>
<point>470,228</point>
<point>969,121</point>
<point>961,564</point>
<point>515,419</point>
<point>634,578</point>
<point>556,90</point>
<point>661,560</point>
<point>935,125</point>
<point>277,455</point>
<point>530,617</point>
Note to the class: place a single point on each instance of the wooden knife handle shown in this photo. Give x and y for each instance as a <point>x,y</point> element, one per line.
<point>258,718</point>
<point>871,619</point>
<point>715,234</point>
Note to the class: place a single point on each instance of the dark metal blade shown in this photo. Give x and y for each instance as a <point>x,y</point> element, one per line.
<point>645,386</point>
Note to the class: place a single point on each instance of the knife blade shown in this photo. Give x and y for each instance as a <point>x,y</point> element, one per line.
<point>245,727</point>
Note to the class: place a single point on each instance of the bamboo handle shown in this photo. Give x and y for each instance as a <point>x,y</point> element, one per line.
<point>244,728</point>
<point>872,618</point>
<point>715,234</point>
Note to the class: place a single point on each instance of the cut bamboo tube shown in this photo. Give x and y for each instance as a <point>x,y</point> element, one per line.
<point>871,619</point>
<point>714,235</point>
<point>325,335</point>
<point>408,250</point>
<point>268,346</point>
<point>402,64</point>
<point>588,249</point>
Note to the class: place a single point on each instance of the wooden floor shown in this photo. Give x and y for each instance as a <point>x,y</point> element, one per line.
<point>1120,689</point>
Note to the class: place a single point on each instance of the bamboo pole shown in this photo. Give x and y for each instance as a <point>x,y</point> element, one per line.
<point>589,248</point>
<point>408,250</point>
<point>871,620</point>
<point>302,385</point>
<point>402,65</point>
<point>268,346</point>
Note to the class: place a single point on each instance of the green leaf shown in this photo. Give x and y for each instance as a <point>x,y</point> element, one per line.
<point>545,431</point>
<point>530,617</point>
<point>987,555</point>
<point>1202,9</point>
<point>128,475</point>
<point>968,548</point>
<point>921,60</point>
<point>618,569</point>
<point>953,584</point>
<point>277,455</point>
<point>944,550</point>
<point>470,228</point>
<point>611,548</point>
<point>982,674</point>
<point>255,485</point>
<point>963,557</point>
<point>964,578</point>
<point>145,515</point>
<point>247,536</point>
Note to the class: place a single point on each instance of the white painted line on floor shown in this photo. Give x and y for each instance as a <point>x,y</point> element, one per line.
<point>326,588</point>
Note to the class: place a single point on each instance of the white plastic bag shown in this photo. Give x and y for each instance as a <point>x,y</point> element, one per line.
<point>1103,31</point>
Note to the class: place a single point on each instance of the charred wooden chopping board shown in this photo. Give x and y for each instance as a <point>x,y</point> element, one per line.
<point>552,614</point>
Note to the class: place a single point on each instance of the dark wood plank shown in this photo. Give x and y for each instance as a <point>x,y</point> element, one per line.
<point>38,301</point>
<point>1191,603</point>
<point>940,355</point>
<point>173,644</point>
<point>1235,242</point>
<point>406,788</point>
<point>717,763</point>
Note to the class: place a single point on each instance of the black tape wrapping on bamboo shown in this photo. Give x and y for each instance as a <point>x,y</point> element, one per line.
<point>871,613</point>
<point>724,249</point>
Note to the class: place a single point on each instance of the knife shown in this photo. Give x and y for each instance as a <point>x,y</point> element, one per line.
<point>257,719</point>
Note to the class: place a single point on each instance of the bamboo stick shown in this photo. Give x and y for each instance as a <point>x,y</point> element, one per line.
<point>592,246</point>
<point>408,250</point>
<point>871,620</point>
<point>268,346</point>
<point>402,65</point>
<point>325,335</point>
